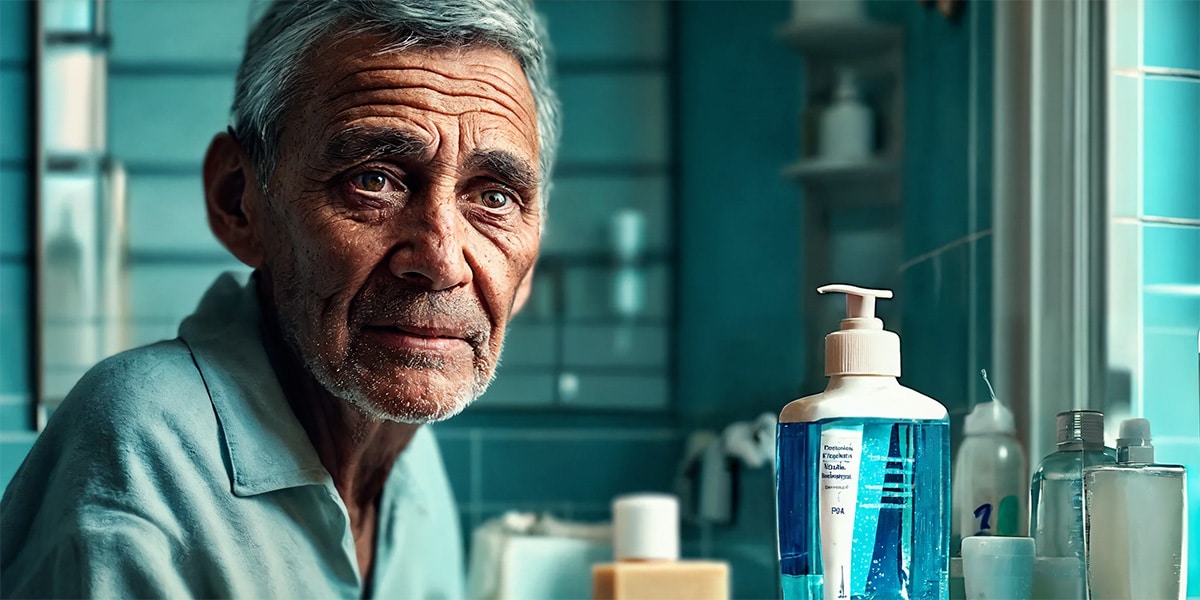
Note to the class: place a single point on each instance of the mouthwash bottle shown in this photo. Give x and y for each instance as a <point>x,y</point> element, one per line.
<point>1056,500</point>
<point>863,474</point>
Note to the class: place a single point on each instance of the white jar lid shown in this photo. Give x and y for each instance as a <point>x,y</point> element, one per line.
<point>646,527</point>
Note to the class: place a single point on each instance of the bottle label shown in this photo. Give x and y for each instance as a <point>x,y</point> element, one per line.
<point>841,452</point>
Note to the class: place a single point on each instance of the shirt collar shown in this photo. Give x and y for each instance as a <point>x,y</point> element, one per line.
<point>268,449</point>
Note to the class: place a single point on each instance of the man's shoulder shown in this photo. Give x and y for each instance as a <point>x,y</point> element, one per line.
<point>150,382</point>
<point>137,406</point>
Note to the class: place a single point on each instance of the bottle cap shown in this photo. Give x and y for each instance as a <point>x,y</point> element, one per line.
<point>989,417</point>
<point>847,85</point>
<point>1133,443</point>
<point>646,527</point>
<point>1086,426</point>
<point>861,346</point>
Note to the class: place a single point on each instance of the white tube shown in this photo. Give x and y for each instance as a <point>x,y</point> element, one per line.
<point>841,450</point>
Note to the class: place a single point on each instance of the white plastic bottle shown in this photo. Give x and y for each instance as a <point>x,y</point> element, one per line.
<point>991,490</point>
<point>1135,533</point>
<point>863,474</point>
<point>847,126</point>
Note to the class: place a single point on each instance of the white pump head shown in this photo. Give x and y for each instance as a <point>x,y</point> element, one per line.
<point>861,346</point>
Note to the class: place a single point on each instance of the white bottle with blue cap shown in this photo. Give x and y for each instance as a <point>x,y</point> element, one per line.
<point>863,473</point>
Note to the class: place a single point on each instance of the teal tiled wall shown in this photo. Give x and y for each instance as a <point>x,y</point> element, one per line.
<point>945,291</point>
<point>15,255</point>
<point>1156,229</point>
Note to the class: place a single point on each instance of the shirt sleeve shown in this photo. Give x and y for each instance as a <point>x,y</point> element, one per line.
<point>113,555</point>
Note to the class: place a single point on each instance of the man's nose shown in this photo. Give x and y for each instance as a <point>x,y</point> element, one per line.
<point>431,252</point>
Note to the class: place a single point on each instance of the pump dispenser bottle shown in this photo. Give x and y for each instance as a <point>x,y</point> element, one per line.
<point>863,473</point>
<point>1135,512</point>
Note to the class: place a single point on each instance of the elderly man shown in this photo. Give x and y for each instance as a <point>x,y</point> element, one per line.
<point>385,179</point>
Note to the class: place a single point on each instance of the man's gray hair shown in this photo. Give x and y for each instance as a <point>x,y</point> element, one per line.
<point>270,76</point>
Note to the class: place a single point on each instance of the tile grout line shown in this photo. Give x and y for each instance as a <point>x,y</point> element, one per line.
<point>967,239</point>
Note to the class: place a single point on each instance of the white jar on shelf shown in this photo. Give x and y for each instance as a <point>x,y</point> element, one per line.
<point>847,126</point>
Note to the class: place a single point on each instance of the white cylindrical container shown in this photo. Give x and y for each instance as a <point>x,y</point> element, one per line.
<point>990,486</point>
<point>646,527</point>
<point>998,567</point>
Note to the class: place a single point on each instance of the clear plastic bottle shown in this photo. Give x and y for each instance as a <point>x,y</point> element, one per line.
<point>1056,491</point>
<point>991,492</point>
<point>863,473</point>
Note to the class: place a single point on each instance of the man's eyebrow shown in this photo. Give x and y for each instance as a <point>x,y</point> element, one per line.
<point>506,166</point>
<point>359,144</point>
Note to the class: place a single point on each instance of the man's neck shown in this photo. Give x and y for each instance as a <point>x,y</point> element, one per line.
<point>357,450</point>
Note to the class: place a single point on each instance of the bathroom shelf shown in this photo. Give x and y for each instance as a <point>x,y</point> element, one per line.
<point>840,38</point>
<point>837,173</point>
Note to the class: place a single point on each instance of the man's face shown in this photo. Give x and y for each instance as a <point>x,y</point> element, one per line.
<point>400,222</point>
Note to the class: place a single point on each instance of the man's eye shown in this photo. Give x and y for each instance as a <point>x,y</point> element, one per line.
<point>495,199</point>
<point>374,182</point>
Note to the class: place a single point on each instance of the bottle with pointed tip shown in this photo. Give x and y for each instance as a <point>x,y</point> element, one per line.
<point>863,474</point>
<point>991,489</point>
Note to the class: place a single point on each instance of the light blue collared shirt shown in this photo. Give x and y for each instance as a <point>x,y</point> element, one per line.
<point>179,470</point>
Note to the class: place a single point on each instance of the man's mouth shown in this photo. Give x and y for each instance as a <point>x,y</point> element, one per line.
<point>418,338</point>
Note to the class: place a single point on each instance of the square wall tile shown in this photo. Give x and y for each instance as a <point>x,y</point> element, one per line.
<point>15,329</point>
<point>1171,308</point>
<point>581,212</point>
<point>15,25</point>
<point>456,456</point>
<point>1171,382</point>
<point>1124,33</point>
<point>16,415</point>
<point>614,118</point>
<point>589,292</point>
<point>614,391</point>
<point>1124,295</point>
<point>519,389</point>
<point>529,344</point>
<point>172,291</point>
<point>170,31</point>
<point>621,345</point>
<point>12,454</point>
<point>606,29</point>
<point>574,466</point>
<point>14,212</point>
<point>167,214</point>
<point>1171,145</point>
<point>1124,146</point>
<point>1170,255</point>
<point>1171,37</point>
<point>166,119</point>
<point>14,115</point>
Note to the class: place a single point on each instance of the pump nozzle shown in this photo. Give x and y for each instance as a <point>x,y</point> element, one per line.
<point>860,302</point>
<point>861,347</point>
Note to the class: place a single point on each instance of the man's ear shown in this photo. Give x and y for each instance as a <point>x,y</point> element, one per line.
<point>227,183</point>
<point>523,290</point>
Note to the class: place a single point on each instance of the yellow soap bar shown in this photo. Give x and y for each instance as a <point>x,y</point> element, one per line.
<point>661,580</point>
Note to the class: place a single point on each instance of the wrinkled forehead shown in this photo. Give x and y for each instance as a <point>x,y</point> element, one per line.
<point>359,71</point>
